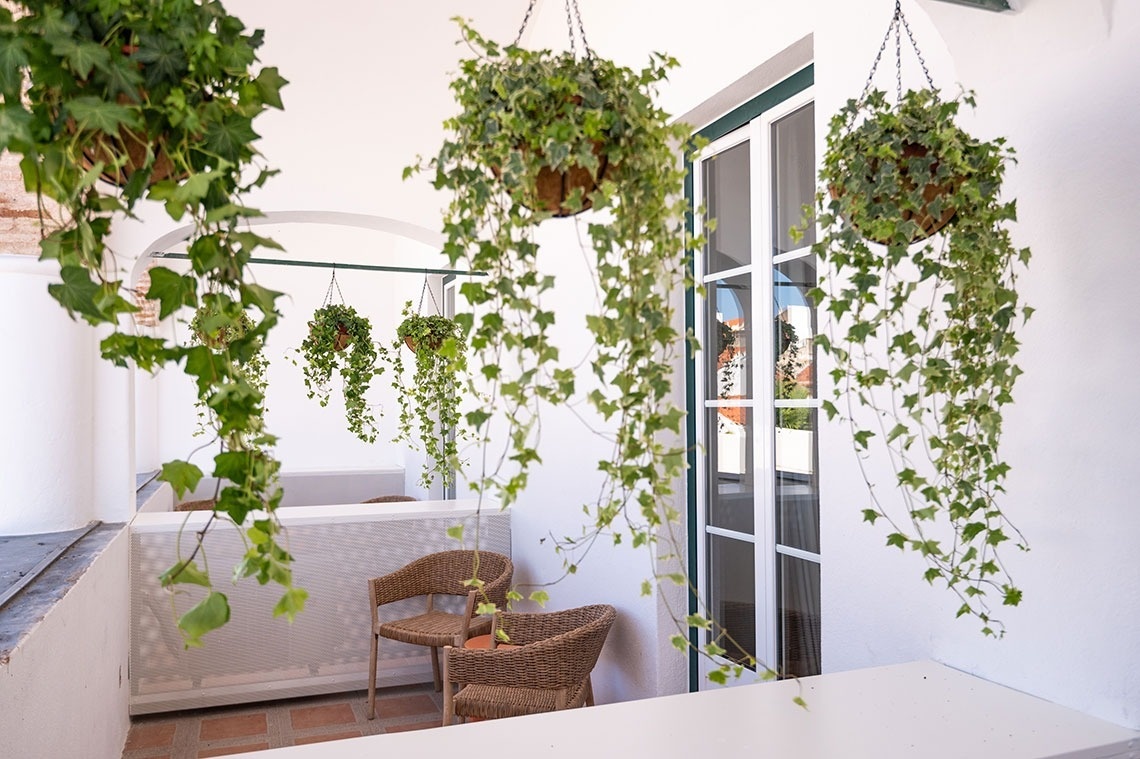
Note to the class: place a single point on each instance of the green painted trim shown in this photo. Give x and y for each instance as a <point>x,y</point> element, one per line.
<point>986,5</point>
<point>734,119</point>
<point>691,428</point>
<point>778,93</point>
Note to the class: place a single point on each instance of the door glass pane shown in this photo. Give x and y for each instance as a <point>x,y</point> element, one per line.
<point>727,201</point>
<point>732,486</point>
<point>793,177</point>
<point>799,638</point>
<point>794,328</point>
<point>729,329</point>
<point>732,596</point>
<point>797,483</point>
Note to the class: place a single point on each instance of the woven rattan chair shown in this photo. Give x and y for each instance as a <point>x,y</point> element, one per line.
<point>549,670</point>
<point>436,574</point>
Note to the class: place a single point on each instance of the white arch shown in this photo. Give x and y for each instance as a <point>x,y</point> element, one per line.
<point>385,224</point>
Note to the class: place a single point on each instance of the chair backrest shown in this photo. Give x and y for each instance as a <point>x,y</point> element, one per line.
<point>446,573</point>
<point>557,650</point>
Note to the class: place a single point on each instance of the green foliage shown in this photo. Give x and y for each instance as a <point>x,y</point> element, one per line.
<point>341,340</point>
<point>128,100</point>
<point>216,330</point>
<point>925,339</point>
<point>429,402</point>
<point>522,113</point>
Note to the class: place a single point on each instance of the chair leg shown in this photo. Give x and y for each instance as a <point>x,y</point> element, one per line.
<point>448,696</point>
<point>589,691</point>
<point>372,676</point>
<point>435,669</point>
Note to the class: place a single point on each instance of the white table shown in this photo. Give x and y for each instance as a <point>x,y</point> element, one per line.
<point>921,709</point>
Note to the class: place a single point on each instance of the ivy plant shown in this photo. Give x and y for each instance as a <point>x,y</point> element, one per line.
<point>340,340</point>
<point>216,334</point>
<point>523,117</point>
<point>429,400</point>
<point>924,329</point>
<point>111,102</point>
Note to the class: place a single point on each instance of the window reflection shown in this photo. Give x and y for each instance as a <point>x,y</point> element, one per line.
<point>727,200</point>
<point>732,597</point>
<point>729,332</point>
<point>794,329</point>
<point>793,178</point>
<point>797,481</point>
<point>799,628</point>
<point>731,496</point>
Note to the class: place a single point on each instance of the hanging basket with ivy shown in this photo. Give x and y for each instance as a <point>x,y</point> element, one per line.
<point>218,331</point>
<point>340,341</point>
<point>159,97</point>
<point>924,306</point>
<point>429,399</point>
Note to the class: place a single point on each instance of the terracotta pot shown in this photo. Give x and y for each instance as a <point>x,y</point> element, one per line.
<point>927,223</point>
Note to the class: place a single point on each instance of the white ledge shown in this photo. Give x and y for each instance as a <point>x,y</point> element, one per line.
<point>922,709</point>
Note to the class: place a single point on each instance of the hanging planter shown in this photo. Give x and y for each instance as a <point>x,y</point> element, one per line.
<point>340,340</point>
<point>923,335</point>
<point>541,134</point>
<point>215,327</point>
<point>895,168</point>
<point>429,400</point>
<point>129,88</point>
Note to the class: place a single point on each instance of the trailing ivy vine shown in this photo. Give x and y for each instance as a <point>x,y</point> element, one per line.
<point>429,401</point>
<point>206,329</point>
<point>340,340</point>
<point>924,338</point>
<point>110,102</point>
<point>528,118</point>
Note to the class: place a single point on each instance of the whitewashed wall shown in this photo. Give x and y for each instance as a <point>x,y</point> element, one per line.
<point>1058,78</point>
<point>63,689</point>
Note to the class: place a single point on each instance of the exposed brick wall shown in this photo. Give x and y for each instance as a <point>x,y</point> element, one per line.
<point>19,219</point>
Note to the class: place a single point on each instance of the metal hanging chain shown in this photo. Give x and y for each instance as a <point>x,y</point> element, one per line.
<point>426,289</point>
<point>526,20</point>
<point>329,294</point>
<point>898,20</point>
<point>573,12</point>
<point>581,28</point>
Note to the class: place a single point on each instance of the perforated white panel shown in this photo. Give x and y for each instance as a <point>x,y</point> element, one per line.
<point>256,657</point>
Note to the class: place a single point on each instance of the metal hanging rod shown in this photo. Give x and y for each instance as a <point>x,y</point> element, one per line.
<point>334,265</point>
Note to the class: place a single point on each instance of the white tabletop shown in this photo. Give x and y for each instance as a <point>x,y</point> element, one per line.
<point>921,709</point>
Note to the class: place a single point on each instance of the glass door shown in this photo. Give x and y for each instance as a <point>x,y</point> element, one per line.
<point>758,505</point>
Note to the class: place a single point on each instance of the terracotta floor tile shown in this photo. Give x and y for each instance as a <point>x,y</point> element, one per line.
<point>150,735</point>
<point>232,750</point>
<point>329,737</point>
<point>405,706</point>
<point>221,728</point>
<point>413,726</point>
<point>321,716</point>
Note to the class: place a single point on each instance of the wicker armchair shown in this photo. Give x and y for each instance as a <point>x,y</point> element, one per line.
<point>548,670</point>
<point>436,574</point>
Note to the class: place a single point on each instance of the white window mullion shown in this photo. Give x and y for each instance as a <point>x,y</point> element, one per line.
<point>763,392</point>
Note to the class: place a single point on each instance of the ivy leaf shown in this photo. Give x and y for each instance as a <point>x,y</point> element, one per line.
<point>92,113</point>
<point>171,290</point>
<point>182,476</point>
<point>291,603</point>
<point>269,83</point>
<point>184,572</point>
<point>210,613</point>
<point>78,293</point>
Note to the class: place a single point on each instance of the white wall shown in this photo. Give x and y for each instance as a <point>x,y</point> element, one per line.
<point>63,690</point>
<point>46,446</point>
